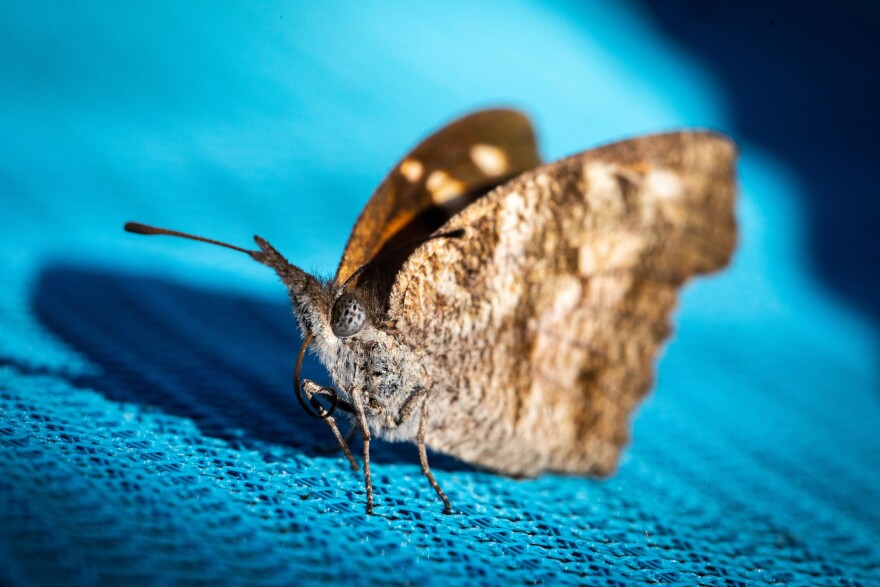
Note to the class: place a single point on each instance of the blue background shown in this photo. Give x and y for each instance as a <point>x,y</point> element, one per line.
<point>148,431</point>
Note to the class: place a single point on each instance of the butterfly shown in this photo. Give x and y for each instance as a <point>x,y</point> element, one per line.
<point>504,311</point>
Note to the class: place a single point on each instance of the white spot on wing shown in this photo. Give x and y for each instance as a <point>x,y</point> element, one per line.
<point>489,159</point>
<point>443,187</point>
<point>663,193</point>
<point>515,233</point>
<point>601,178</point>
<point>557,312</point>
<point>567,298</point>
<point>412,169</point>
<point>619,250</point>
<point>603,194</point>
<point>662,184</point>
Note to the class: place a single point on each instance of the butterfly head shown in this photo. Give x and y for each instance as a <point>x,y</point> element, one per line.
<point>319,307</point>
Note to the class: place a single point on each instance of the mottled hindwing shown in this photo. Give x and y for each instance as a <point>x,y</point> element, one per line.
<point>539,327</point>
<point>442,175</point>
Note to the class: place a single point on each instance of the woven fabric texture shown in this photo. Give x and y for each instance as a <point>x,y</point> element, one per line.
<point>148,428</point>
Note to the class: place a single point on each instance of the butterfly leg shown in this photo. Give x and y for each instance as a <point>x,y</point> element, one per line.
<point>343,442</point>
<point>358,401</point>
<point>346,439</point>
<point>423,456</point>
<point>310,387</point>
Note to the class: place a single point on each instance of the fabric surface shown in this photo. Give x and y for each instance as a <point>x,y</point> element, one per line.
<point>148,428</point>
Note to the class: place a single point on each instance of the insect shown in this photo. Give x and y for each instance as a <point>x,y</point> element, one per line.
<point>506,312</point>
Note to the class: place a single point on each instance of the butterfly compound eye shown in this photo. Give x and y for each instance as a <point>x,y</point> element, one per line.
<point>348,316</point>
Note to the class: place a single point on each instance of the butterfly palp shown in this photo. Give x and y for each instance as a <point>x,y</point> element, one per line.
<point>349,316</point>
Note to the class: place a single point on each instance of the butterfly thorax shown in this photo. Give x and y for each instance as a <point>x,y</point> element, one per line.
<point>386,375</point>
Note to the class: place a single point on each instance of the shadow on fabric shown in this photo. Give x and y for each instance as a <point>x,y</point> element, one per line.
<point>801,83</point>
<point>224,361</point>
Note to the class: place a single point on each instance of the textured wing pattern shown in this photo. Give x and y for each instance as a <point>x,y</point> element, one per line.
<point>442,175</point>
<point>540,326</point>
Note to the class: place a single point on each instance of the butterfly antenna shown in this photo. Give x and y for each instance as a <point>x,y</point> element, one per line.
<point>413,243</point>
<point>138,228</point>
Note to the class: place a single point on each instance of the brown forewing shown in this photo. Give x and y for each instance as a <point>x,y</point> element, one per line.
<point>538,329</point>
<point>438,178</point>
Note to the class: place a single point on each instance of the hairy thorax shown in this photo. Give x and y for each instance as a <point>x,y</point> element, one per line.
<point>388,377</point>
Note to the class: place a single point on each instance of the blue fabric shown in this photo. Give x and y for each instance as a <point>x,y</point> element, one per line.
<point>148,430</point>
